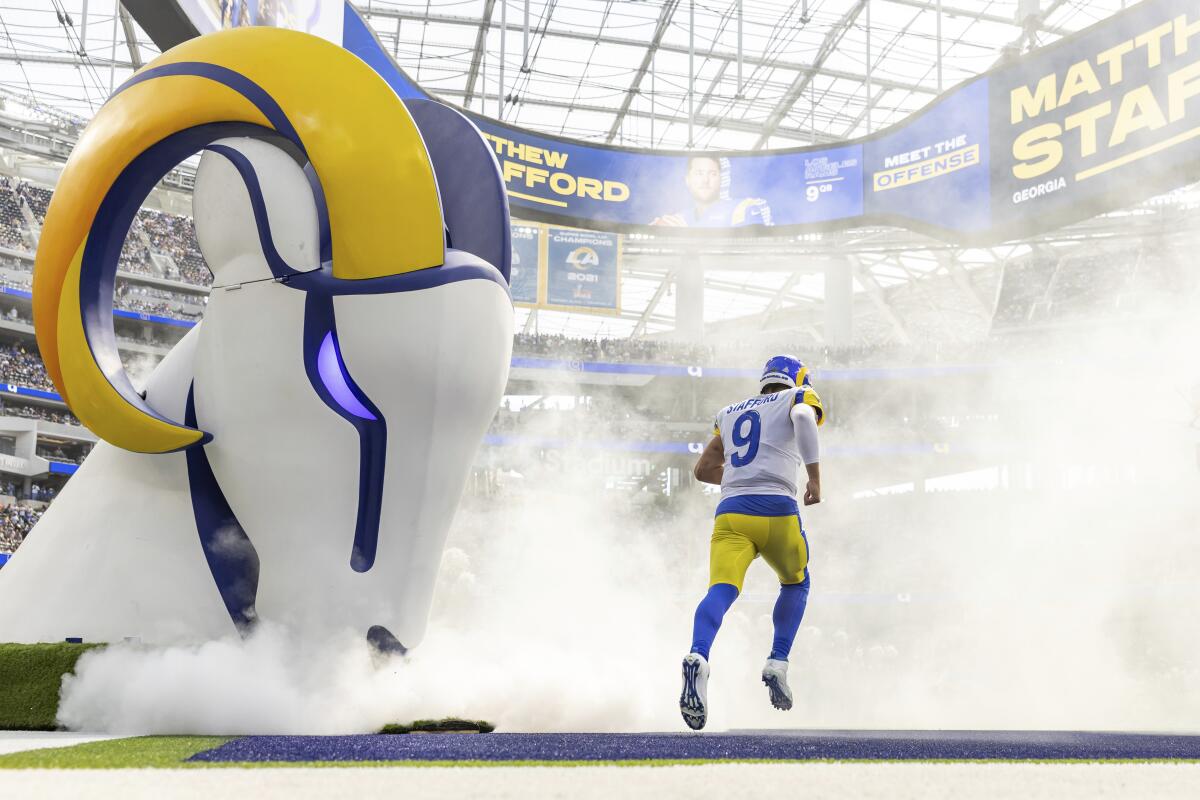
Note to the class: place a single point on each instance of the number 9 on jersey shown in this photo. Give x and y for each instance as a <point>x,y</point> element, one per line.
<point>743,438</point>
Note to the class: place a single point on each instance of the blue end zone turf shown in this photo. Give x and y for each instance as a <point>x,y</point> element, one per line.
<point>784,745</point>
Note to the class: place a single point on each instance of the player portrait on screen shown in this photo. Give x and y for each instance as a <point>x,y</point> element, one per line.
<point>272,13</point>
<point>707,179</point>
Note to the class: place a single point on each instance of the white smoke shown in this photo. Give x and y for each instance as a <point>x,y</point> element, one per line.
<point>569,626</point>
<point>139,368</point>
<point>1062,599</point>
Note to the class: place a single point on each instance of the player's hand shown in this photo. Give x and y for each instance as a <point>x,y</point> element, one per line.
<point>812,493</point>
<point>671,221</point>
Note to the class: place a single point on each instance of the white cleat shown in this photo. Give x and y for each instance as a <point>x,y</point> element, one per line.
<point>693,701</point>
<point>774,675</point>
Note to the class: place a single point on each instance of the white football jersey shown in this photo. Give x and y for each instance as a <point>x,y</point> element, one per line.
<point>761,455</point>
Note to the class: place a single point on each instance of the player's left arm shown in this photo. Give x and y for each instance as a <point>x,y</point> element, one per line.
<point>804,422</point>
<point>711,464</point>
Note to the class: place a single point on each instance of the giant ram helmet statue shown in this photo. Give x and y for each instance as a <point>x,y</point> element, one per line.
<point>299,455</point>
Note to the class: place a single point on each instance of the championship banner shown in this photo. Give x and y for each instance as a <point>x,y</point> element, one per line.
<point>1099,120</point>
<point>583,270</point>
<point>526,258</point>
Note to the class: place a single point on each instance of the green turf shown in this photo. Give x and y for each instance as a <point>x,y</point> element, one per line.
<point>134,753</point>
<point>31,675</point>
<point>172,751</point>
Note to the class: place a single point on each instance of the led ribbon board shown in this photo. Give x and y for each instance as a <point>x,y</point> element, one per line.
<point>1097,121</point>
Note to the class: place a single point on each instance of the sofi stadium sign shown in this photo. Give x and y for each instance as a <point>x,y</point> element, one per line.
<point>1099,120</point>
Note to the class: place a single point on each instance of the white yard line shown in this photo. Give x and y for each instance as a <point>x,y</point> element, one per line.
<point>20,741</point>
<point>859,781</point>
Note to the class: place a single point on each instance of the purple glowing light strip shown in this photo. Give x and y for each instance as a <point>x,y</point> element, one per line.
<point>329,367</point>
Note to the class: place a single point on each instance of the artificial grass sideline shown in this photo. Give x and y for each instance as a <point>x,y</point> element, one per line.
<point>31,676</point>
<point>140,752</point>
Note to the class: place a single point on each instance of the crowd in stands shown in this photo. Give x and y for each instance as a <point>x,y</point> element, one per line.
<point>135,253</point>
<point>168,234</point>
<point>175,236</point>
<point>12,222</point>
<point>24,367</point>
<point>36,198</point>
<point>609,419</point>
<point>38,492</point>
<point>15,522</point>
<point>192,269</point>
<point>60,454</point>
<point>151,232</point>
<point>153,300</point>
<point>41,494</point>
<point>31,411</point>
<point>563,347</point>
<point>735,353</point>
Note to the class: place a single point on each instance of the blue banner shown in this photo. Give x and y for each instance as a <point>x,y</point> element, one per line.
<point>526,259</point>
<point>25,391</point>
<point>178,323</point>
<point>583,269</point>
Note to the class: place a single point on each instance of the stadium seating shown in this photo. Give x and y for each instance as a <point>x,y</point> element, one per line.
<point>152,232</point>
<point>35,411</point>
<point>36,197</point>
<point>12,222</point>
<point>15,523</point>
<point>146,299</point>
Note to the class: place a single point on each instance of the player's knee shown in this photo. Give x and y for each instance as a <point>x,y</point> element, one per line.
<point>798,585</point>
<point>718,600</point>
<point>724,591</point>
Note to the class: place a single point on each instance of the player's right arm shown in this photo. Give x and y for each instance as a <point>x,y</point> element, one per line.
<point>711,464</point>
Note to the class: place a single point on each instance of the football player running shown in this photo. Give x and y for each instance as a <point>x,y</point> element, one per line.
<point>754,455</point>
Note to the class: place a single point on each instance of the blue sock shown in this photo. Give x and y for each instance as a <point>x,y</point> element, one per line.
<point>789,610</point>
<point>709,614</point>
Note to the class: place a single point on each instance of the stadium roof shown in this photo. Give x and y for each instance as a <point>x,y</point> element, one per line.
<point>806,71</point>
